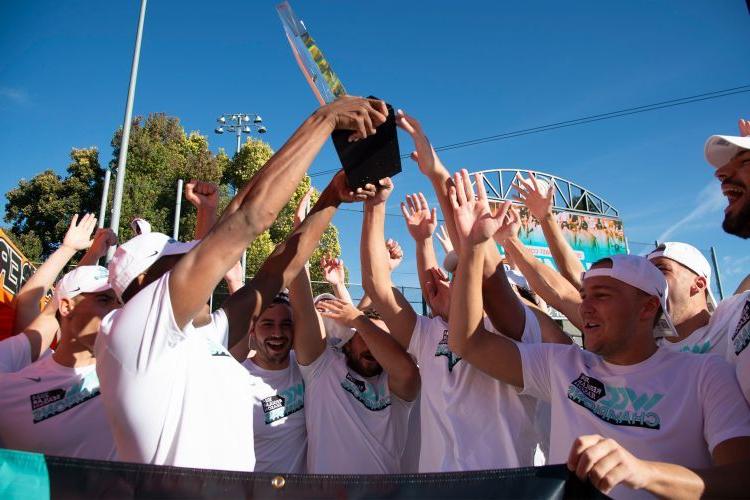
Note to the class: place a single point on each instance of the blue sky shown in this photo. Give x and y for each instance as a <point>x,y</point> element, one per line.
<point>465,70</point>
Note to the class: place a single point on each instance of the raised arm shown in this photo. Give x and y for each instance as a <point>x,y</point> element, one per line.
<point>421,223</point>
<point>539,199</point>
<point>309,336</point>
<point>493,354</point>
<point>257,205</point>
<point>397,313</point>
<point>403,374</point>
<point>28,298</point>
<point>545,281</point>
<point>288,259</point>
<point>42,330</point>
<point>204,196</point>
<point>335,274</point>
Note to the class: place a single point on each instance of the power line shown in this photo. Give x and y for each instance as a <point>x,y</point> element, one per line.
<point>583,120</point>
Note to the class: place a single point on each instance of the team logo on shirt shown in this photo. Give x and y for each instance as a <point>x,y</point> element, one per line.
<point>373,397</point>
<point>697,348</point>
<point>47,404</point>
<point>442,350</point>
<point>615,405</point>
<point>741,335</point>
<point>216,349</point>
<point>284,403</point>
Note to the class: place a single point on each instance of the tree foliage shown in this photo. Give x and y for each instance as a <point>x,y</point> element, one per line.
<point>159,153</point>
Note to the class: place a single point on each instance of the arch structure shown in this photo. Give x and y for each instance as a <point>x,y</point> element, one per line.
<point>569,196</point>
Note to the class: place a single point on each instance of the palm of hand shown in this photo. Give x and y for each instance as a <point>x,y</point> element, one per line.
<point>538,205</point>
<point>334,275</point>
<point>421,224</point>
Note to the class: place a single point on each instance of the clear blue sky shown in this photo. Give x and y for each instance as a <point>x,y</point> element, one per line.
<point>465,70</point>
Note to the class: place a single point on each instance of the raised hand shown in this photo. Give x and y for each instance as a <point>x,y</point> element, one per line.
<point>382,194</point>
<point>202,194</point>
<point>395,254</point>
<point>744,127</point>
<point>103,239</point>
<point>78,235</point>
<point>303,207</point>
<point>444,239</point>
<point>475,222</point>
<point>333,270</point>
<point>423,154</point>
<point>345,194</point>
<point>420,221</point>
<point>536,194</point>
<point>341,311</point>
<point>355,113</point>
<point>510,227</point>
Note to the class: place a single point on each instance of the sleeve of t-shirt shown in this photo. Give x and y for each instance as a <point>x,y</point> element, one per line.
<point>219,328</point>
<point>532,331</point>
<point>725,412</point>
<point>15,353</point>
<point>315,369</point>
<point>419,336</point>
<point>144,330</point>
<point>535,363</point>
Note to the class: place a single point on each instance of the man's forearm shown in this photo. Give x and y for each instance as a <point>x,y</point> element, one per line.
<point>341,292</point>
<point>466,298</point>
<point>675,481</point>
<point>440,181</point>
<point>309,339</point>
<point>502,305</point>
<point>376,276</point>
<point>205,220</point>
<point>426,260</point>
<point>31,293</point>
<point>565,258</point>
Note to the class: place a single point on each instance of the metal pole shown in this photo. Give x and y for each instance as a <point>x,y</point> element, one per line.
<point>114,222</point>
<point>243,259</point>
<point>718,274</point>
<point>239,139</point>
<point>177,209</point>
<point>105,194</point>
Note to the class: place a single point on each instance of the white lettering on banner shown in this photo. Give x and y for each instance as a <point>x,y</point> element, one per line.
<point>13,269</point>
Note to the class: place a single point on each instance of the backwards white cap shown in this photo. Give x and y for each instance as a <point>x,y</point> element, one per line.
<point>140,226</point>
<point>720,149</point>
<point>82,279</point>
<point>136,255</point>
<point>690,257</point>
<point>640,273</point>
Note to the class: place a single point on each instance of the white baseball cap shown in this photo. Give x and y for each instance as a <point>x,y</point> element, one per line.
<point>82,279</point>
<point>140,226</point>
<point>720,149</point>
<point>324,296</point>
<point>640,273</point>
<point>136,255</point>
<point>515,277</point>
<point>690,257</point>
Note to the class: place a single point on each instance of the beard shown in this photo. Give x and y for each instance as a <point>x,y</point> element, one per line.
<point>366,369</point>
<point>738,224</point>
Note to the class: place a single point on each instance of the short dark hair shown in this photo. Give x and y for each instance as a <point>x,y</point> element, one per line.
<point>371,313</point>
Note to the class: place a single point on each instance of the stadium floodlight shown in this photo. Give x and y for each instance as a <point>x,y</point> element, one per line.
<point>221,120</point>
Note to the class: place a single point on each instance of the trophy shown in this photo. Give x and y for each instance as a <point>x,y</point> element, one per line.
<point>364,161</point>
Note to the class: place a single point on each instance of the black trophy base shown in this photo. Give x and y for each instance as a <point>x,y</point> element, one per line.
<point>368,160</point>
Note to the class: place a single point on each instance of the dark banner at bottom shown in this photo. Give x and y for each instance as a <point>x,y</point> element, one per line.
<point>34,476</point>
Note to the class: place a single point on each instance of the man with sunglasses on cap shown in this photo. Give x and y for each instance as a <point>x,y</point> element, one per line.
<point>624,410</point>
<point>730,156</point>
<point>54,406</point>
<point>174,396</point>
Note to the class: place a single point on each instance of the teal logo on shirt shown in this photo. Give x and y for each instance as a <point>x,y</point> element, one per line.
<point>443,350</point>
<point>47,404</point>
<point>373,397</point>
<point>616,405</point>
<point>284,403</point>
<point>697,348</point>
<point>216,349</point>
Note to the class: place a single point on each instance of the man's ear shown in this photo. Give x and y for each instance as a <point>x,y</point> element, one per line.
<point>66,307</point>
<point>650,308</point>
<point>699,286</point>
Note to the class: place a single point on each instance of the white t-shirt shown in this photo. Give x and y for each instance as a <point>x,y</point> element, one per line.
<point>356,425</point>
<point>737,308</point>
<point>56,410</point>
<point>470,421</point>
<point>173,397</point>
<point>673,407</point>
<point>279,428</point>
<point>15,353</point>
<point>715,336</point>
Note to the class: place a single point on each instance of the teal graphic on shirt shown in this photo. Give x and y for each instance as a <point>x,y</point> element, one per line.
<point>373,397</point>
<point>284,403</point>
<point>697,348</point>
<point>443,350</point>
<point>616,405</point>
<point>47,404</point>
<point>216,349</point>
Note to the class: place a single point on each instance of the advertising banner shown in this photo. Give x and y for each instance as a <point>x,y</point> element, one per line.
<point>15,269</point>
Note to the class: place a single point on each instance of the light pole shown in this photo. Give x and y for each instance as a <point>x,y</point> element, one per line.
<point>240,123</point>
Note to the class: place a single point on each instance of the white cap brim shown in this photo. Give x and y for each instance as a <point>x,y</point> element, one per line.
<point>179,247</point>
<point>720,149</point>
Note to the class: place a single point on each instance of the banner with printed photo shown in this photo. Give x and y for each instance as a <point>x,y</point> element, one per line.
<point>15,269</point>
<point>592,237</point>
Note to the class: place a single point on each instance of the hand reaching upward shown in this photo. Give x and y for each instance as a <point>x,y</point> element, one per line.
<point>420,221</point>
<point>475,222</point>
<point>78,235</point>
<point>202,194</point>
<point>536,194</point>
<point>333,270</point>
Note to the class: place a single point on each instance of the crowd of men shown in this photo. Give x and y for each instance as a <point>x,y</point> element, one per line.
<point>277,380</point>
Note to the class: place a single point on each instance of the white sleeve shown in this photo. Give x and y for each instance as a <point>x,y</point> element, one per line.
<point>143,330</point>
<point>419,336</point>
<point>532,331</point>
<point>15,353</point>
<point>725,412</point>
<point>315,369</point>
<point>535,363</point>
<point>218,329</point>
